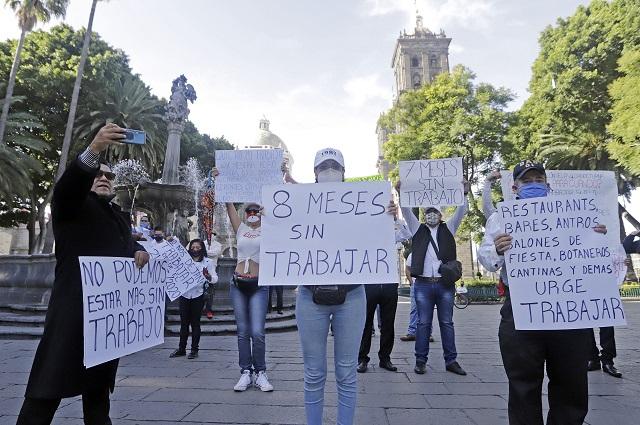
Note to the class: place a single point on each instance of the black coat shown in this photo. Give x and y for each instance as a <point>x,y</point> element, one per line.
<point>83,224</point>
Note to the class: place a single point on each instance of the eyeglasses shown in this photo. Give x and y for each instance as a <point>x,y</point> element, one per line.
<point>108,174</point>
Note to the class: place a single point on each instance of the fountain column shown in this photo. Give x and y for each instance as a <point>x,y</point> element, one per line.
<point>172,154</point>
<point>176,114</point>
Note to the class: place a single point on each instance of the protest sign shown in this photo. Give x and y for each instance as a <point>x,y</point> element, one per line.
<point>578,183</point>
<point>327,234</point>
<point>562,274</point>
<point>182,272</point>
<point>244,172</point>
<point>123,306</point>
<point>433,182</point>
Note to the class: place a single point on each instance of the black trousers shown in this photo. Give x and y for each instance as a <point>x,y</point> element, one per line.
<point>279,294</point>
<point>525,354</point>
<point>95,407</point>
<point>386,296</point>
<point>608,344</point>
<point>190,313</point>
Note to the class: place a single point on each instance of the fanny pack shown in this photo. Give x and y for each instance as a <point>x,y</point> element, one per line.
<point>248,285</point>
<point>329,294</point>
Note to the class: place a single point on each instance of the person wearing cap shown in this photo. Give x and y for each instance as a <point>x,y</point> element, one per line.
<point>524,353</point>
<point>249,300</point>
<point>432,244</point>
<point>346,319</point>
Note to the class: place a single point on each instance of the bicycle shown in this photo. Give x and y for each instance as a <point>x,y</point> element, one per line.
<point>461,301</point>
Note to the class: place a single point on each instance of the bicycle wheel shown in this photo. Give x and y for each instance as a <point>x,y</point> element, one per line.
<point>461,301</point>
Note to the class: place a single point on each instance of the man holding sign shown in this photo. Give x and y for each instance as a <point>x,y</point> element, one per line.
<point>81,203</point>
<point>543,261</point>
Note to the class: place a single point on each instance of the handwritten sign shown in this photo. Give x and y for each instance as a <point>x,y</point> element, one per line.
<point>433,182</point>
<point>244,172</point>
<point>183,273</point>
<point>123,307</point>
<point>562,274</point>
<point>597,183</point>
<point>327,234</point>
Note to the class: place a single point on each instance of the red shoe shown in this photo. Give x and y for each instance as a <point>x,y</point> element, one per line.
<point>209,315</point>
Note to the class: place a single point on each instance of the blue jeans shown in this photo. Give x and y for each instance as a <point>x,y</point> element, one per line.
<point>347,321</point>
<point>428,295</point>
<point>251,314</point>
<point>413,315</point>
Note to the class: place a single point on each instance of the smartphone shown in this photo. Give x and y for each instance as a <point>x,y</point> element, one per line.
<point>135,137</point>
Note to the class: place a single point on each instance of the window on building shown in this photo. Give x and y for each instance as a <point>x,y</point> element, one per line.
<point>433,61</point>
<point>415,62</point>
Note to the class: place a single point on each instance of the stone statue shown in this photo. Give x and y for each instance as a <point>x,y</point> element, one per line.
<point>181,225</point>
<point>177,110</point>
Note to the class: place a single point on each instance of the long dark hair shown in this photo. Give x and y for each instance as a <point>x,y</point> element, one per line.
<point>203,253</point>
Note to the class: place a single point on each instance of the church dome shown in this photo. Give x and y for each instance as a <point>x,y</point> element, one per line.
<point>267,138</point>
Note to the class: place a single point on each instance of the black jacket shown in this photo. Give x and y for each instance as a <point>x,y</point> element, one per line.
<point>83,224</point>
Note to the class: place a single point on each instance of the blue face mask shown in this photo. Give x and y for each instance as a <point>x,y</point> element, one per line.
<point>533,190</point>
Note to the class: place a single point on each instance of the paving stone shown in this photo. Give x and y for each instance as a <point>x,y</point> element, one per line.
<point>154,389</point>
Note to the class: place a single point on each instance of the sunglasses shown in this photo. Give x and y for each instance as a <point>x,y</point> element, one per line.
<point>252,211</point>
<point>108,174</point>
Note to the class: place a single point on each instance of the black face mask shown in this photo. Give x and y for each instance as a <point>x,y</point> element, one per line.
<point>195,254</point>
<point>158,238</point>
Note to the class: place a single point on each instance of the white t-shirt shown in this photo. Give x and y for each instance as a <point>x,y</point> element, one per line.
<point>196,291</point>
<point>213,251</point>
<point>248,245</point>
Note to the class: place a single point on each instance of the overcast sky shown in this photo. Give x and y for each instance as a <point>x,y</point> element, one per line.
<point>320,71</point>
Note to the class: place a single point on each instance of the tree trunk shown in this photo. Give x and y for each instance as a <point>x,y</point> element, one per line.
<point>66,143</point>
<point>31,228</point>
<point>12,82</point>
<point>46,232</point>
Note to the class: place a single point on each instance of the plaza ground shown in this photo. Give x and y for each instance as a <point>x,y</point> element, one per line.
<point>151,388</point>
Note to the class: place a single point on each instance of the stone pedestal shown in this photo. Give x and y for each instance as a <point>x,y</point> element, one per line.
<point>172,154</point>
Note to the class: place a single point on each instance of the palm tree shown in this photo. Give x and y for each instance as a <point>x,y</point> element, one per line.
<point>29,13</point>
<point>130,104</point>
<point>66,142</point>
<point>16,165</point>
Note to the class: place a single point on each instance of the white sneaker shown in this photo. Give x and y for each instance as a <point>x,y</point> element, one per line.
<point>262,382</point>
<point>244,382</point>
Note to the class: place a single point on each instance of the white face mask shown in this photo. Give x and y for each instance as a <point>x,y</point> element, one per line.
<point>330,175</point>
<point>432,219</point>
<point>253,219</point>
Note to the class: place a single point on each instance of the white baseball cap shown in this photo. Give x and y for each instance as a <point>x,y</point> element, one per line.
<point>326,154</point>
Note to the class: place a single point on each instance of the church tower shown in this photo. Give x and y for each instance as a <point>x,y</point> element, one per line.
<point>417,59</point>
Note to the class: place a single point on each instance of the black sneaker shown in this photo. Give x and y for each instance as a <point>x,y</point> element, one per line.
<point>421,368</point>
<point>178,353</point>
<point>193,355</point>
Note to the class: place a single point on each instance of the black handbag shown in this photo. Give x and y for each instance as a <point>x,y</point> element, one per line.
<point>450,271</point>
<point>329,294</point>
<point>248,285</point>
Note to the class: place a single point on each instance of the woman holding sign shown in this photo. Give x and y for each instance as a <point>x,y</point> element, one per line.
<point>249,300</point>
<point>192,301</point>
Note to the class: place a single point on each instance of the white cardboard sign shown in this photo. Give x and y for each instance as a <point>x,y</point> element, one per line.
<point>432,182</point>
<point>123,306</point>
<point>183,273</point>
<point>327,234</point>
<point>244,172</point>
<point>601,184</point>
<point>562,274</point>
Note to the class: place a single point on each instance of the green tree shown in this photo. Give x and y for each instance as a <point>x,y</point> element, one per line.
<point>130,104</point>
<point>201,146</point>
<point>625,113</point>
<point>29,13</point>
<point>452,117</point>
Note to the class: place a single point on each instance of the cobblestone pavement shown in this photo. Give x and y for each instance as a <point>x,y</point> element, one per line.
<point>152,388</point>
